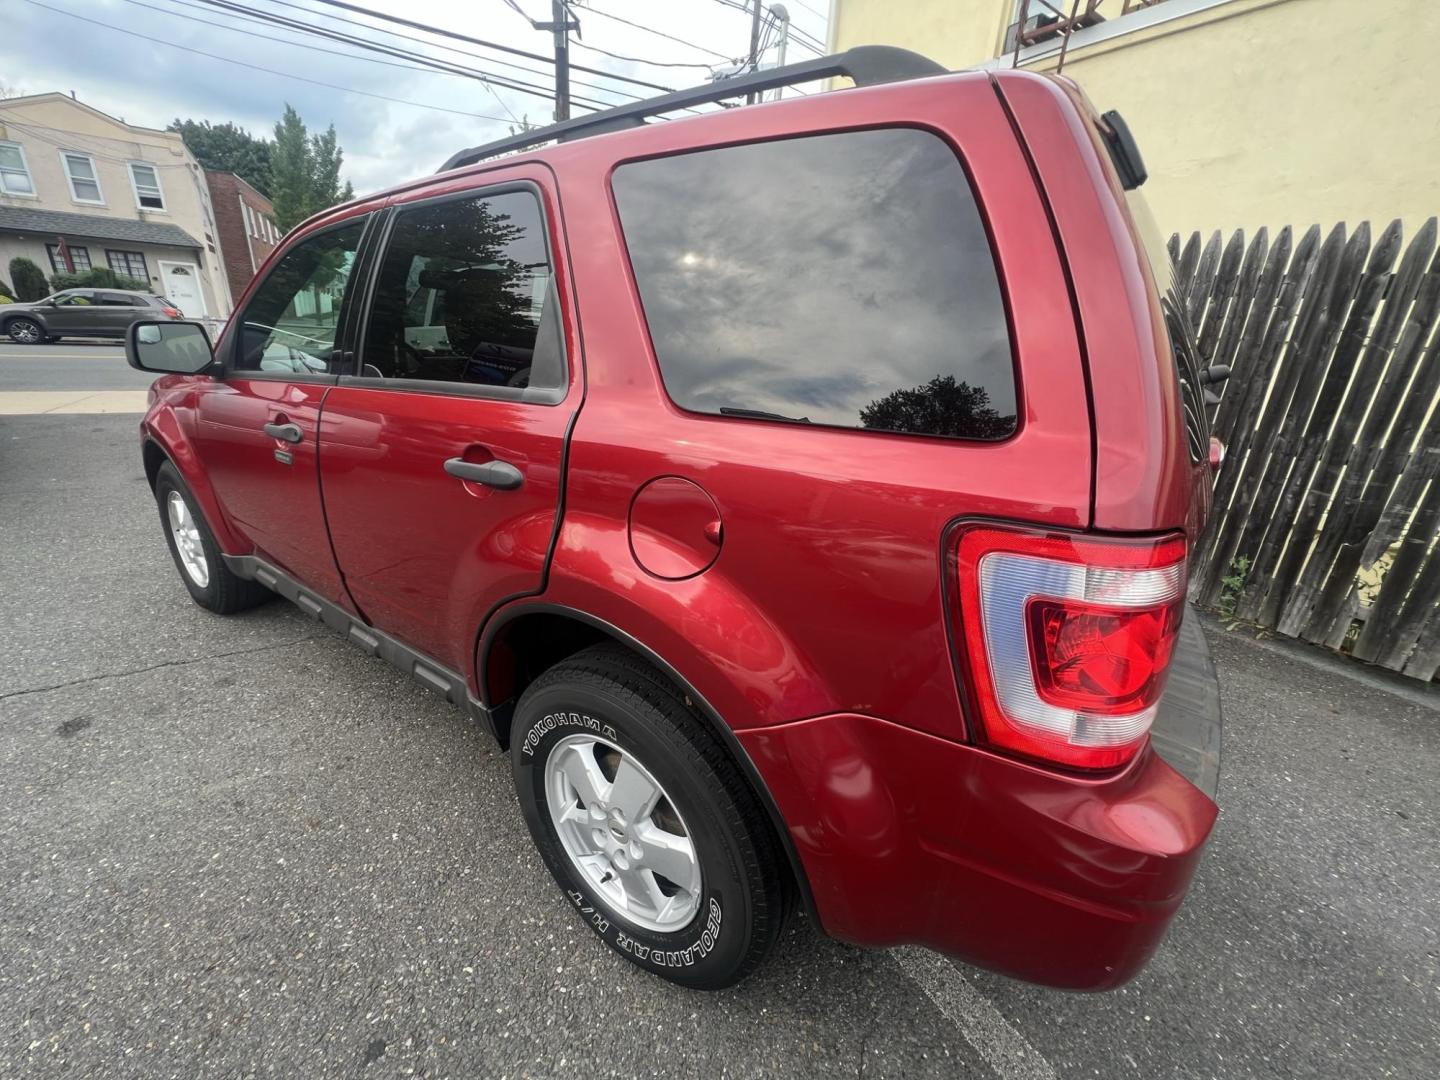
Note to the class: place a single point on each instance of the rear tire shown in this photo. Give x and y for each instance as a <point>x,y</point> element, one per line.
<point>712,911</point>
<point>197,556</point>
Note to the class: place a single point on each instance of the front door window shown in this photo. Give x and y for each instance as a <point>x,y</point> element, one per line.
<point>291,322</point>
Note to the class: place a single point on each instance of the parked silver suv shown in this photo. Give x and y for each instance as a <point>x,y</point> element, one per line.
<point>82,313</point>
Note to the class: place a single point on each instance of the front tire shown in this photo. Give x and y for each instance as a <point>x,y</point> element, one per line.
<point>25,331</point>
<point>210,582</point>
<point>645,822</point>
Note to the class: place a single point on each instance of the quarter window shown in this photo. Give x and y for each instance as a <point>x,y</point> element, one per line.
<point>79,258</point>
<point>291,322</point>
<point>842,279</point>
<point>129,264</point>
<point>463,296</point>
<point>146,179</point>
<point>84,184</point>
<point>14,172</point>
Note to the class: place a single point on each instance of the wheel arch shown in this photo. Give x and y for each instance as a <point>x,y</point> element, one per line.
<point>6,318</point>
<point>163,439</point>
<point>526,638</point>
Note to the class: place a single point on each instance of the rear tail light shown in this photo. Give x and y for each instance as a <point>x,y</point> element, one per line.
<point>174,313</point>
<point>1067,639</point>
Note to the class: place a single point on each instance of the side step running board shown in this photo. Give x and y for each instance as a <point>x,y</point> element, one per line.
<point>429,673</point>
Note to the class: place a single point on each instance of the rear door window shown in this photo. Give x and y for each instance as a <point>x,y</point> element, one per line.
<point>463,296</point>
<point>842,279</point>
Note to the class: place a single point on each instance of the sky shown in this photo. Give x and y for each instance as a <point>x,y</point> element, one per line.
<point>137,66</point>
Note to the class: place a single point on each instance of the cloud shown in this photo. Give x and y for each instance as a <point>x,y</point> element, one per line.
<point>145,78</point>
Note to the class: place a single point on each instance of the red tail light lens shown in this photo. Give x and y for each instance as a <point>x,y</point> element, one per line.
<point>174,313</point>
<point>1067,639</point>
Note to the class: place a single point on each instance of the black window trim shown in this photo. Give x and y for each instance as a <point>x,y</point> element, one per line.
<point>982,211</point>
<point>528,395</point>
<point>229,350</point>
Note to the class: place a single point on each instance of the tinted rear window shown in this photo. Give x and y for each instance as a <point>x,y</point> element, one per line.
<point>841,279</point>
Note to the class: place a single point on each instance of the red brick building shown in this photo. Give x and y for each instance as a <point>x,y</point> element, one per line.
<point>245,222</point>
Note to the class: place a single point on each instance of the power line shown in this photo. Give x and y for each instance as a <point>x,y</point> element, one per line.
<point>638,59</point>
<point>268,71</point>
<point>439,65</point>
<point>449,48</point>
<point>647,29</point>
<point>316,48</point>
<point>79,144</point>
<point>455,36</point>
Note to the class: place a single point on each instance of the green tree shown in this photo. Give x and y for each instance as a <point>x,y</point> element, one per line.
<point>29,280</point>
<point>305,171</point>
<point>228,148</point>
<point>942,406</point>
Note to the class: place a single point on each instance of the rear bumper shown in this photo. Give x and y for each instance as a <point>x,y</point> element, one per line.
<point>911,839</point>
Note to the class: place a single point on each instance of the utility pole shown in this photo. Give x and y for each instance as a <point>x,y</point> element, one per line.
<point>754,48</point>
<point>561,24</point>
<point>782,16</point>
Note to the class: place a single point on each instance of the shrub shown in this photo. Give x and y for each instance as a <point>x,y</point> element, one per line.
<point>29,281</point>
<point>5,299</point>
<point>101,277</point>
<point>6,290</point>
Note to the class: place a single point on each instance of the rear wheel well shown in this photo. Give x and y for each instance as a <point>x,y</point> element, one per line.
<point>530,644</point>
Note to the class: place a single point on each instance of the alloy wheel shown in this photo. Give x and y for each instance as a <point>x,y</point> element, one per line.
<point>25,332</point>
<point>623,833</point>
<point>188,544</point>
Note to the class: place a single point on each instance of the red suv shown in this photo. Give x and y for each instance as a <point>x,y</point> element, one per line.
<point>801,492</point>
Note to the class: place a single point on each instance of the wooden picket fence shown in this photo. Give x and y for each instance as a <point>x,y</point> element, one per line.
<point>1327,508</point>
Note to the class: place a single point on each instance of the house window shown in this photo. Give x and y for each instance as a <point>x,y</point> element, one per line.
<point>129,264</point>
<point>79,257</point>
<point>14,173</point>
<point>146,181</point>
<point>249,222</point>
<point>84,184</point>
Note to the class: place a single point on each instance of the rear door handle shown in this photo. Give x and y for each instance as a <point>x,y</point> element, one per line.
<point>285,432</point>
<point>495,474</point>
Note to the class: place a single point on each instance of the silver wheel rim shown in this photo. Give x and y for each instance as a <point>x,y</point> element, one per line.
<point>186,533</point>
<point>25,331</point>
<point>622,833</point>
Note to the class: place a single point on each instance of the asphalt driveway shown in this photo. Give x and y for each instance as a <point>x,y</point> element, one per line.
<point>239,847</point>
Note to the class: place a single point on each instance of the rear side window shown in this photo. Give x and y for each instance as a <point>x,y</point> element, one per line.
<point>842,279</point>
<point>464,296</point>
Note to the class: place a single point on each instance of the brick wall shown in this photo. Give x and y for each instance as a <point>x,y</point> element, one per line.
<point>245,222</point>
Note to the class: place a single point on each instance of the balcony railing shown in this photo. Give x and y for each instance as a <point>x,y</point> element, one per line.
<point>1039,21</point>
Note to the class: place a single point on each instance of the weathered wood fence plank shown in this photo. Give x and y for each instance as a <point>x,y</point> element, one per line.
<point>1335,359</point>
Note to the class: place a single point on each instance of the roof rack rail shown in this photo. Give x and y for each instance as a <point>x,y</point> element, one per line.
<point>867,65</point>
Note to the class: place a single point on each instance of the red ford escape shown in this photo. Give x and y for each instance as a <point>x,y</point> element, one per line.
<point>800,492</point>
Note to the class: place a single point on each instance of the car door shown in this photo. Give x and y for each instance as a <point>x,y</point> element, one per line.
<point>116,311</point>
<point>75,312</point>
<point>441,457</point>
<point>256,426</point>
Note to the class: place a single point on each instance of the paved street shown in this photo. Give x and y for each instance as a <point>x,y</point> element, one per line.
<point>240,847</point>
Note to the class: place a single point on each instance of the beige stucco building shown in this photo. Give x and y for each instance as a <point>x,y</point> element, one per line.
<point>1248,112</point>
<point>130,198</point>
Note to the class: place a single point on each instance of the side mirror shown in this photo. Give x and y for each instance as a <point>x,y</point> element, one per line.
<point>168,348</point>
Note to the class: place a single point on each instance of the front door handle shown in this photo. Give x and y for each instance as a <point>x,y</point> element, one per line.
<point>495,474</point>
<point>285,432</point>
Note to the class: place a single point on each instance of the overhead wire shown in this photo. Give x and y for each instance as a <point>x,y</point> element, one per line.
<point>196,5</point>
<point>647,29</point>
<point>258,67</point>
<point>508,82</point>
<point>457,36</point>
<point>427,69</point>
